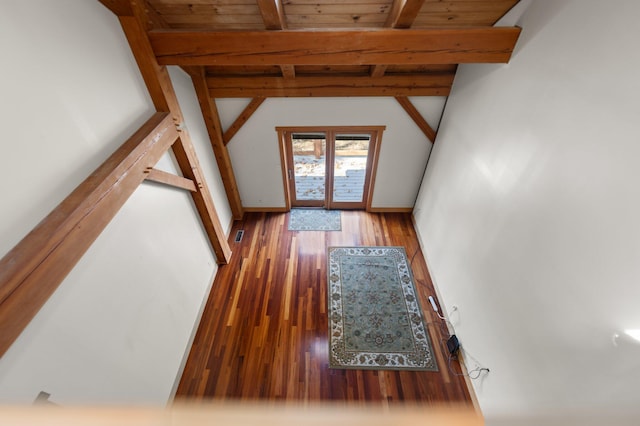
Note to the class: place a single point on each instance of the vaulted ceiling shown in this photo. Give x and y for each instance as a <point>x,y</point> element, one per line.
<point>270,48</point>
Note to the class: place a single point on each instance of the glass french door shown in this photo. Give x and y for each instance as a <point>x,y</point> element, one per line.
<point>350,157</point>
<point>329,167</point>
<point>309,172</point>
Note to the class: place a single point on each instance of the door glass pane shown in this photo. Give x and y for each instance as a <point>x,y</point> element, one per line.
<point>309,162</point>
<point>350,167</point>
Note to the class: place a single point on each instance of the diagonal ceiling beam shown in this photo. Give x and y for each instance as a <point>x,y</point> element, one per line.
<point>335,47</point>
<point>417,117</point>
<point>244,116</point>
<point>402,15</point>
<point>391,85</point>
<point>214,128</point>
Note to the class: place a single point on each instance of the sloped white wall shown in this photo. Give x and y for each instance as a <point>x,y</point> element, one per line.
<point>256,159</point>
<point>117,329</point>
<point>529,214</point>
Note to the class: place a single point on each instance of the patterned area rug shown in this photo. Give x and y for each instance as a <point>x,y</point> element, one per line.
<point>375,318</point>
<point>314,220</point>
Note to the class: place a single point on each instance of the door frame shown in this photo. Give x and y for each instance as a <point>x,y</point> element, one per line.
<point>286,162</point>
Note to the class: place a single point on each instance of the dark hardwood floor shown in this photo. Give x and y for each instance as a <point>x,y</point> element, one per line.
<point>263,334</point>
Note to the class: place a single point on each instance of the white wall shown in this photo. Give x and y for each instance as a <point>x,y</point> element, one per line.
<point>117,329</point>
<point>529,213</point>
<point>256,158</point>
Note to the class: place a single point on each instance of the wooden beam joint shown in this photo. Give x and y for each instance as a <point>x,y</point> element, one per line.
<point>165,178</point>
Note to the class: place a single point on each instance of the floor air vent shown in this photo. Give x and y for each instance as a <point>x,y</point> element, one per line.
<point>239,235</point>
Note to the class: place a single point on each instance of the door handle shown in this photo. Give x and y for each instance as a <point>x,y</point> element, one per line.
<point>289,174</point>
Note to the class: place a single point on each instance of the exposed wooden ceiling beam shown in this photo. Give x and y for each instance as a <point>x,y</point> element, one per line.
<point>394,12</point>
<point>335,47</point>
<point>273,16</point>
<point>118,7</point>
<point>390,85</point>
<point>288,71</point>
<point>406,14</point>
<point>244,116</point>
<point>164,98</point>
<point>402,15</point>
<point>35,267</point>
<point>417,118</point>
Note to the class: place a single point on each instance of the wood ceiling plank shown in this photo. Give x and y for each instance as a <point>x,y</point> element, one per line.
<point>208,9</point>
<point>344,3</point>
<point>474,6</point>
<point>372,8</point>
<point>461,13</point>
<point>152,19</point>
<point>170,3</point>
<point>417,117</point>
<point>349,25</point>
<point>338,20</point>
<point>35,267</point>
<point>337,47</point>
<point>447,20</point>
<point>200,20</point>
<point>163,96</point>
<point>244,116</point>
<point>220,27</point>
<point>392,85</point>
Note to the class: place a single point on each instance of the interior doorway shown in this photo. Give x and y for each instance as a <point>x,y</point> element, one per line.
<point>329,167</point>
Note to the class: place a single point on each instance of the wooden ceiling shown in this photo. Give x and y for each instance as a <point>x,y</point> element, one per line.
<point>270,48</point>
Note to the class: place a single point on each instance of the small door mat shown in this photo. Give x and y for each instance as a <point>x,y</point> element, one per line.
<point>314,220</point>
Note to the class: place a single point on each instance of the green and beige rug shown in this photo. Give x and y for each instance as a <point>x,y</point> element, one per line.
<point>314,220</point>
<point>375,320</point>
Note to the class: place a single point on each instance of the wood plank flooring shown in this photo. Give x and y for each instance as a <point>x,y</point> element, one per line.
<point>263,335</point>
